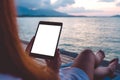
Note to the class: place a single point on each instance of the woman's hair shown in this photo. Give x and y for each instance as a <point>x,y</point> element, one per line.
<point>13,59</point>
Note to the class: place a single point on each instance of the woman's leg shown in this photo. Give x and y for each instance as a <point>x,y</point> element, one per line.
<point>102,72</point>
<point>86,61</point>
<point>100,55</point>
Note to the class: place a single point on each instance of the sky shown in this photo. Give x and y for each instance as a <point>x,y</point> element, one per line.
<point>75,7</point>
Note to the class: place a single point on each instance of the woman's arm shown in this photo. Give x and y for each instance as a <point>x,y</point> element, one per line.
<point>51,70</point>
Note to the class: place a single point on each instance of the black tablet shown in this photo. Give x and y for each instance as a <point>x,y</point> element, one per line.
<point>46,39</point>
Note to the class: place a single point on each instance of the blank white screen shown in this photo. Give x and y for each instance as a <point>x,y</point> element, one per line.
<point>46,39</point>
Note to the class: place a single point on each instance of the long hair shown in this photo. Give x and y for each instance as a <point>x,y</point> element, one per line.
<point>13,59</point>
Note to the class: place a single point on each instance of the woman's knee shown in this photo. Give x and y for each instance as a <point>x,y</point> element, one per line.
<point>84,60</point>
<point>87,53</point>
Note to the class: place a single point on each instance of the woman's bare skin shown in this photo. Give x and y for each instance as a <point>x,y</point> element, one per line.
<point>88,62</point>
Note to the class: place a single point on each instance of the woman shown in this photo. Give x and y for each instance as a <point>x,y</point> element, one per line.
<point>13,60</point>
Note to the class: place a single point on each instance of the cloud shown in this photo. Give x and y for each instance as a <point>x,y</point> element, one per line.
<point>44,3</point>
<point>63,3</point>
<point>118,4</point>
<point>34,3</point>
<point>106,0</point>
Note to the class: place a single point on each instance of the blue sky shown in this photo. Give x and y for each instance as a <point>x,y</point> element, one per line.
<point>75,7</point>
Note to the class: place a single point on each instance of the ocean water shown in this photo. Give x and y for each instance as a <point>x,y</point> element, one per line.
<point>80,33</point>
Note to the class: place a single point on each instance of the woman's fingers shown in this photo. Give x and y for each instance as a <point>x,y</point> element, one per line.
<point>54,63</point>
<point>29,46</point>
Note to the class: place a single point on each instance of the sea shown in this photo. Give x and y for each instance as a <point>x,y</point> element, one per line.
<point>79,33</point>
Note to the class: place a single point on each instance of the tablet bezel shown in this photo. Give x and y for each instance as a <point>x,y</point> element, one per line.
<point>36,55</point>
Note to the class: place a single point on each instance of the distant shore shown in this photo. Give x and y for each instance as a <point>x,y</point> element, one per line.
<point>63,16</point>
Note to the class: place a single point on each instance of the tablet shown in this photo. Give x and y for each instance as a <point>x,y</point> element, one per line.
<point>46,39</point>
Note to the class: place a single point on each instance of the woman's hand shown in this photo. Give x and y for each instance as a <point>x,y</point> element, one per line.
<point>54,63</point>
<point>29,46</point>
